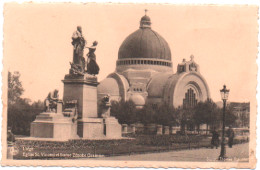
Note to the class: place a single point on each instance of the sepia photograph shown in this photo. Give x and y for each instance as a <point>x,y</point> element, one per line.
<point>129,85</point>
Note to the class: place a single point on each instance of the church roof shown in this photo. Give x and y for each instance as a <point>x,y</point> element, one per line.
<point>108,86</point>
<point>158,82</point>
<point>145,43</point>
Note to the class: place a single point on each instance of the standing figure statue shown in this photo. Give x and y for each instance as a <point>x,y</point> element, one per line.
<point>78,43</point>
<point>92,66</point>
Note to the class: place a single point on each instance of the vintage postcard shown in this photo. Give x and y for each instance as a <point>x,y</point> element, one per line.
<point>129,85</point>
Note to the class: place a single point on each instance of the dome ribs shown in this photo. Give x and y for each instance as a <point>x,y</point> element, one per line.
<point>161,46</point>
<point>145,43</point>
<point>140,43</point>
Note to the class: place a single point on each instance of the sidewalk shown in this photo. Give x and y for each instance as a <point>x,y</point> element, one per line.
<point>238,153</point>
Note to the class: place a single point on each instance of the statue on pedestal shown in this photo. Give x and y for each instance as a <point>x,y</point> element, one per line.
<point>51,101</point>
<point>78,42</point>
<point>106,105</point>
<point>92,66</point>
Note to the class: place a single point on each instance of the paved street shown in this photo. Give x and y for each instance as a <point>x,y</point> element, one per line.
<point>237,153</point>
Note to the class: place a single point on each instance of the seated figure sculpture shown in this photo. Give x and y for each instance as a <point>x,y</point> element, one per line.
<point>51,100</point>
<point>105,106</point>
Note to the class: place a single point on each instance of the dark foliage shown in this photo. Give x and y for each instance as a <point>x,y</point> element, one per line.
<point>15,89</point>
<point>20,112</point>
<point>203,113</point>
<point>230,116</point>
<point>124,111</point>
<point>164,115</point>
<point>206,113</point>
<point>147,115</point>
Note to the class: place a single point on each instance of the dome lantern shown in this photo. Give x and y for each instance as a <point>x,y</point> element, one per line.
<point>145,21</point>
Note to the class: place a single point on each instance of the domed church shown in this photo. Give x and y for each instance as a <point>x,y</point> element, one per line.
<point>144,73</point>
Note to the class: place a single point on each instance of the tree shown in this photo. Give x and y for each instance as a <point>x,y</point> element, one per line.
<point>230,117</point>
<point>206,113</point>
<point>185,115</point>
<point>15,88</point>
<point>146,115</point>
<point>20,113</point>
<point>124,111</point>
<point>165,115</point>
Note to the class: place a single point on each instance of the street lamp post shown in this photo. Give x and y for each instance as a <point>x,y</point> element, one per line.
<point>224,95</point>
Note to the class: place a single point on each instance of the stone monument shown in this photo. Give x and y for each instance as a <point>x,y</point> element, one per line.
<point>52,123</point>
<point>76,116</point>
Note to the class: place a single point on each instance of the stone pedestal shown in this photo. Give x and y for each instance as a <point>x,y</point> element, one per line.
<point>112,128</point>
<point>132,128</point>
<point>151,129</point>
<point>10,151</point>
<point>91,128</point>
<point>82,88</point>
<point>159,130</point>
<point>174,129</point>
<point>53,125</point>
<point>124,128</point>
<point>166,130</point>
<point>59,107</point>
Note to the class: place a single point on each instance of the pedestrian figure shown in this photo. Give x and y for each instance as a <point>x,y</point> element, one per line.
<point>231,135</point>
<point>10,136</point>
<point>215,139</point>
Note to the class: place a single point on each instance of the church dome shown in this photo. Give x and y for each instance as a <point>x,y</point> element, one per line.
<point>144,47</point>
<point>145,43</point>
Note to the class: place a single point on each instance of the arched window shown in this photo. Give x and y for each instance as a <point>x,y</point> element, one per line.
<point>190,99</point>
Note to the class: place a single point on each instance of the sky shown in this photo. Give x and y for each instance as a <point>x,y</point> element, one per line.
<point>223,40</point>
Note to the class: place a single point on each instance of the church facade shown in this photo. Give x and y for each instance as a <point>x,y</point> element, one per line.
<point>144,73</point>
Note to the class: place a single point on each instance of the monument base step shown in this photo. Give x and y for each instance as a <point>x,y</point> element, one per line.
<point>53,125</point>
<point>99,128</point>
